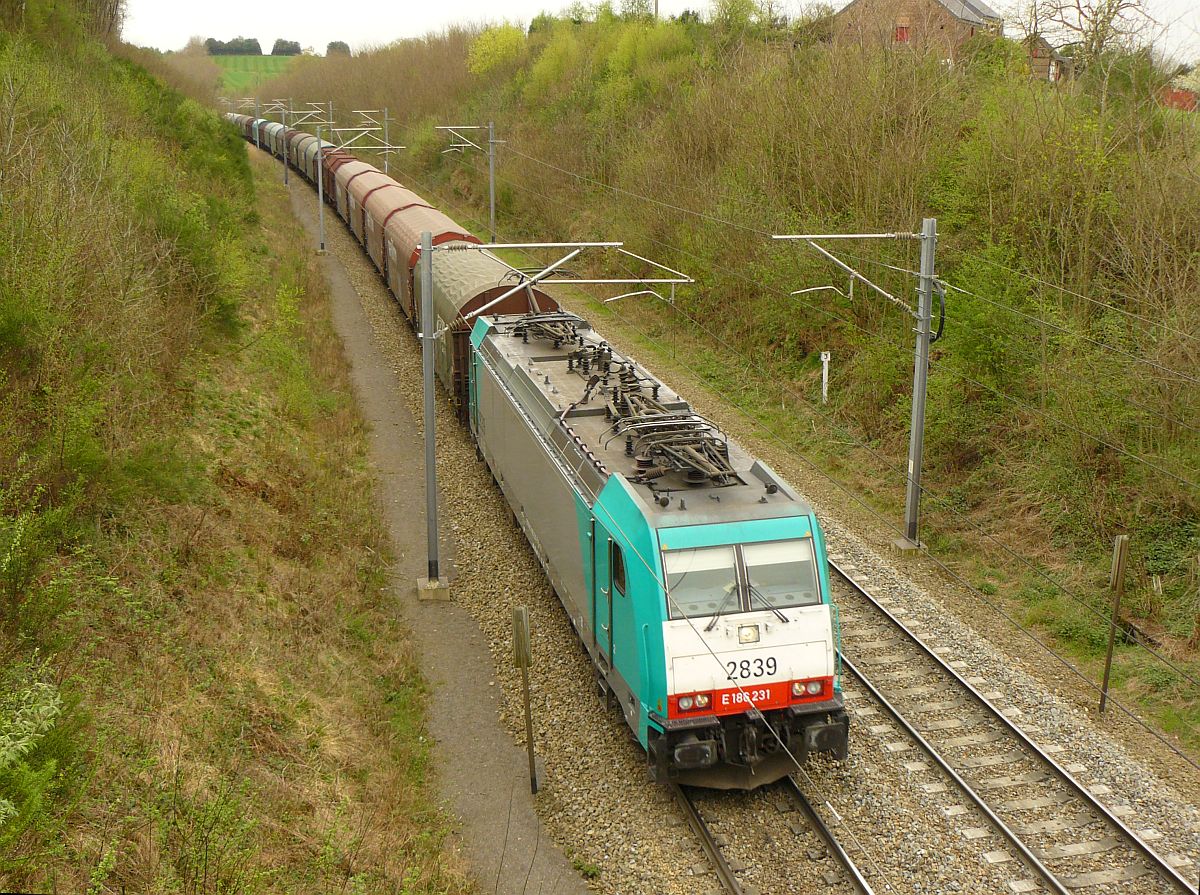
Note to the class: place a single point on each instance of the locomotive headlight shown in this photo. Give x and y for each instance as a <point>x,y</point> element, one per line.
<point>702,700</point>
<point>807,688</point>
<point>685,703</point>
<point>748,634</point>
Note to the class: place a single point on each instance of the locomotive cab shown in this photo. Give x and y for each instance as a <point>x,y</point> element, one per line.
<point>750,642</point>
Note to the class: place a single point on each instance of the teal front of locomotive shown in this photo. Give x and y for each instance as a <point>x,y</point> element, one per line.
<point>721,636</point>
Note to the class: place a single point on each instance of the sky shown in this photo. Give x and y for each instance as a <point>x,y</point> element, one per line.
<point>167,24</point>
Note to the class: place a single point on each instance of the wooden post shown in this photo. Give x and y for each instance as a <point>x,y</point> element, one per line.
<point>523,658</point>
<point>1116,583</point>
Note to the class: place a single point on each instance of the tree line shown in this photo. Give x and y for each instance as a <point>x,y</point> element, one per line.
<point>249,46</point>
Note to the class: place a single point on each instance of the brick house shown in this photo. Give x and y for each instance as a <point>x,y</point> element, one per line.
<point>1183,92</point>
<point>1046,62</point>
<point>1179,98</point>
<point>924,25</point>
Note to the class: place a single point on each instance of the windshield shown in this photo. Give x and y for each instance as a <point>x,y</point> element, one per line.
<point>701,582</point>
<point>782,574</point>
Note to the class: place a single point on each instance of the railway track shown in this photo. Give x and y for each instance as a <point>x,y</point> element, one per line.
<point>1026,808</point>
<point>727,870</point>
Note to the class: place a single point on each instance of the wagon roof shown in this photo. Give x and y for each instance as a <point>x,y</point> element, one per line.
<point>329,148</point>
<point>390,200</point>
<point>465,279</point>
<point>351,167</point>
<point>405,229</point>
<point>369,180</point>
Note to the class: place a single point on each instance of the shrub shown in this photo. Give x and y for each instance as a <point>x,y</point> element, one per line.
<point>32,759</point>
<point>498,48</point>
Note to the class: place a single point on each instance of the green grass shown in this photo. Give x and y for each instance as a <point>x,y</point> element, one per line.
<point>244,73</point>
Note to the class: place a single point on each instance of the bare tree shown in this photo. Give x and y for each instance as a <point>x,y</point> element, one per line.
<point>104,18</point>
<point>1093,26</point>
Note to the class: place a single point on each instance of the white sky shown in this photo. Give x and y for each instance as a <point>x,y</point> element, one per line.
<point>167,24</point>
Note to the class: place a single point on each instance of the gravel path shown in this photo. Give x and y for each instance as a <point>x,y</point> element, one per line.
<point>597,801</point>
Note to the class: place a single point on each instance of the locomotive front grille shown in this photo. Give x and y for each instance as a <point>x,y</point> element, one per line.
<point>745,751</point>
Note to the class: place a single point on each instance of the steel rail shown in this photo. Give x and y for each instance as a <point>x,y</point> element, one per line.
<point>857,879</point>
<point>729,882</point>
<point>1157,862</point>
<point>1026,853</point>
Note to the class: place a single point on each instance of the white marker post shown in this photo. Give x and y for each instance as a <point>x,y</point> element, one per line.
<point>824,377</point>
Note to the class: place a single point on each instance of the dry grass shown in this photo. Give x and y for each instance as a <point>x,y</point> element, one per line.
<point>276,692</point>
<point>191,70</point>
<point>433,70</point>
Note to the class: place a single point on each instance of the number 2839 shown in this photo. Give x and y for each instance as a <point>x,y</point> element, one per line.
<point>745,669</point>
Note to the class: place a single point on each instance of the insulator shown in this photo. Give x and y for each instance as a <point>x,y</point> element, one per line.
<point>628,445</point>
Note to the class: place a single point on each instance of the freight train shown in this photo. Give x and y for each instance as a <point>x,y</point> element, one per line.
<point>696,578</point>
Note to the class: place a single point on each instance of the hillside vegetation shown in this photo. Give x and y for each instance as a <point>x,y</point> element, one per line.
<point>203,687</point>
<point>1064,398</point>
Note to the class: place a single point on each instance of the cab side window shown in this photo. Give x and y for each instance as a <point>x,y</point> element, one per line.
<point>616,562</point>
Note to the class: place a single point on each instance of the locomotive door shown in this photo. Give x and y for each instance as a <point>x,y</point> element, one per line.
<point>602,594</point>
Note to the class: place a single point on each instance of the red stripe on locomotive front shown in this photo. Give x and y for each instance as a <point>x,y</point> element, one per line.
<point>737,700</point>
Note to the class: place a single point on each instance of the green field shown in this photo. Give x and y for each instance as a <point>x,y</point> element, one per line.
<point>242,74</point>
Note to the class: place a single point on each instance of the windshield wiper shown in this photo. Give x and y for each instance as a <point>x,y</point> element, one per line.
<point>730,590</point>
<point>754,592</point>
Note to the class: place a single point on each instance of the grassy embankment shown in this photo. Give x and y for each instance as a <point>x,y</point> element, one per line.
<point>203,686</point>
<point>1057,418</point>
<point>241,75</point>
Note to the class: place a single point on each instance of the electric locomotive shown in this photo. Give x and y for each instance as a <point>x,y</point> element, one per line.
<point>694,576</point>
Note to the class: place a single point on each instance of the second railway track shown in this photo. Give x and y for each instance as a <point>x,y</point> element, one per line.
<point>1024,807</point>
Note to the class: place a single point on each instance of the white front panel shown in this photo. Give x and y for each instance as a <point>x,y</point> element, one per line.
<point>699,660</point>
